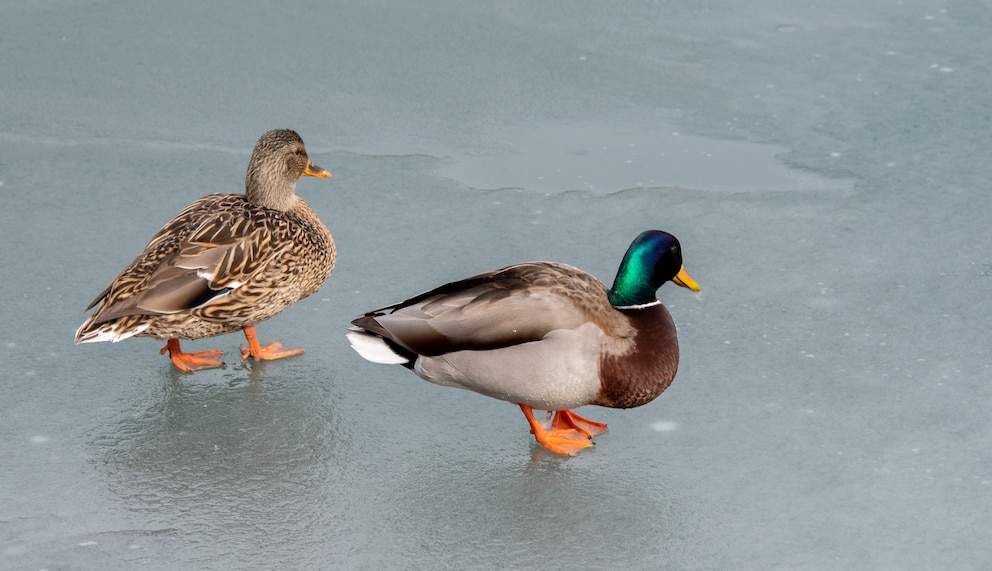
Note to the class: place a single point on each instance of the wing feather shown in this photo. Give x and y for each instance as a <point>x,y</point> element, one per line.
<point>212,247</point>
<point>505,307</point>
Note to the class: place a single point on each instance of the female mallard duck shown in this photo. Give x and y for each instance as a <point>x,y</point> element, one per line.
<point>226,262</point>
<point>542,335</point>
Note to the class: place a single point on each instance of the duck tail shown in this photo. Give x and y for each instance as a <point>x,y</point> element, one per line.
<point>90,332</point>
<point>378,349</point>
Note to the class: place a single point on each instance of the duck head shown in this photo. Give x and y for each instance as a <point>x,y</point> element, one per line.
<point>653,258</point>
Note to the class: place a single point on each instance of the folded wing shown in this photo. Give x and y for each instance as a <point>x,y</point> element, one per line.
<point>497,309</point>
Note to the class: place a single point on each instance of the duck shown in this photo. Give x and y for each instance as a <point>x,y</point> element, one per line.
<point>226,262</point>
<point>542,335</point>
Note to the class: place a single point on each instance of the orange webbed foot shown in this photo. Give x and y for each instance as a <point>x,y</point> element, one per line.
<point>189,362</point>
<point>566,441</point>
<point>269,351</point>
<point>568,419</point>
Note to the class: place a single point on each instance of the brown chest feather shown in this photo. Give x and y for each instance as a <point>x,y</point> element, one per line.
<point>640,375</point>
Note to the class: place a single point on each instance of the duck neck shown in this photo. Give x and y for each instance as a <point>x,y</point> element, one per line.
<point>270,189</point>
<point>632,287</point>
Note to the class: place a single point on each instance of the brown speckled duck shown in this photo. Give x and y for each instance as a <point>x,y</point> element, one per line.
<point>226,262</point>
<point>542,335</point>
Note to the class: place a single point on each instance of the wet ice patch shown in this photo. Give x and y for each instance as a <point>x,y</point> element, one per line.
<point>606,158</point>
<point>664,426</point>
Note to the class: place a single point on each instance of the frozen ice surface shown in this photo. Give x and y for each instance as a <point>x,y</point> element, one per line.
<point>605,158</point>
<point>829,183</point>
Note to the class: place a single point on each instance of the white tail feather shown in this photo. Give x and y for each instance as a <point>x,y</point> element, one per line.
<point>107,334</point>
<point>374,348</point>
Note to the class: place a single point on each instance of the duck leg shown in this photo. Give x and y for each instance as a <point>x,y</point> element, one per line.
<point>568,419</point>
<point>189,362</point>
<point>273,350</point>
<point>566,441</point>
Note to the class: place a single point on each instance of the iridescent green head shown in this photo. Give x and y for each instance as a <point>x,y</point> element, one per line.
<point>652,259</point>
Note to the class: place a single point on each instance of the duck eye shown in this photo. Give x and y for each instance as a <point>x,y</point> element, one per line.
<point>296,161</point>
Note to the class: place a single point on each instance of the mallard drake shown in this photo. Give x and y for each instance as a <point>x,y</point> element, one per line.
<point>542,335</point>
<point>225,262</point>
